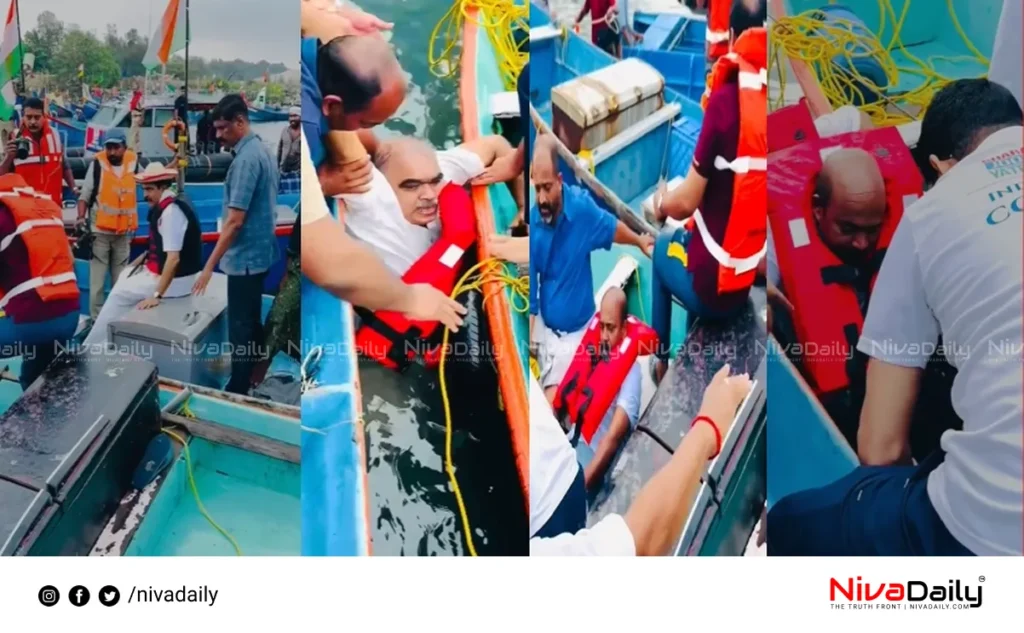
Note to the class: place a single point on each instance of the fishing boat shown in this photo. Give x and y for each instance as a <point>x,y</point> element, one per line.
<point>260,112</point>
<point>81,472</point>
<point>673,42</point>
<point>623,173</point>
<point>926,48</point>
<point>338,483</point>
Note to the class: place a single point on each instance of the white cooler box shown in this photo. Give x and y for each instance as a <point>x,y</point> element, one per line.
<point>185,337</point>
<point>591,109</point>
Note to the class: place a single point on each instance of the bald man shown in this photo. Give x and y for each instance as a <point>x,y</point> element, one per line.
<point>397,217</point>
<point>566,225</point>
<point>597,455</point>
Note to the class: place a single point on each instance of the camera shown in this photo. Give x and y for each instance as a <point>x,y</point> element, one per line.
<point>22,148</point>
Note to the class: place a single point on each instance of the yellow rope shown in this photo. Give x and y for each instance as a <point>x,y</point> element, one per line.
<point>818,44</point>
<point>490,269</point>
<point>500,18</point>
<point>195,489</point>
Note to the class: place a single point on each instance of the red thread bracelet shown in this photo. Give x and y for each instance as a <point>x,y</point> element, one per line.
<point>718,434</point>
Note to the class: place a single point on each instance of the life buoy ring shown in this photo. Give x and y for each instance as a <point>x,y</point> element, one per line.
<point>173,123</point>
<point>389,337</point>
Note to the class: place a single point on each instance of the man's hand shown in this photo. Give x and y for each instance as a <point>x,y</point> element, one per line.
<point>324,20</point>
<point>426,303</point>
<point>777,299</point>
<point>11,148</point>
<point>501,170</point>
<point>146,304</point>
<point>659,196</point>
<point>647,242</point>
<point>202,281</point>
<point>352,177</point>
<point>510,249</point>
<point>723,396</point>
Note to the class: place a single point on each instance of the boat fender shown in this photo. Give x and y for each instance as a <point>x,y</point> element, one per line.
<point>158,456</point>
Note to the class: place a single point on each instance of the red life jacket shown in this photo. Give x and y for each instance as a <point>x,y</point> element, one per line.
<point>389,337</point>
<point>40,227</point>
<point>591,382</point>
<point>717,33</point>
<point>43,169</point>
<point>827,315</point>
<point>790,126</point>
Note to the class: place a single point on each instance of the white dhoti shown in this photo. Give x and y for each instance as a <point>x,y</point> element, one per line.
<point>555,351</point>
<point>129,290</point>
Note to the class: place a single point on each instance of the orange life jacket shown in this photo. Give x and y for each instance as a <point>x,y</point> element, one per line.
<point>790,126</point>
<point>591,383</point>
<point>745,236</point>
<point>827,315</point>
<point>116,203</point>
<point>43,168</point>
<point>40,227</point>
<point>717,32</point>
<point>389,337</point>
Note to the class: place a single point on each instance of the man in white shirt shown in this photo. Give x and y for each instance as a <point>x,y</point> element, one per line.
<point>398,216</point>
<point>954,268</point>
<point>174,259</point>
<point>597,455</point>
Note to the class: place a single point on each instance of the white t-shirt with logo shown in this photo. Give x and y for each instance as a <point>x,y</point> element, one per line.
<point>375,217</point>
<point>954,267</point>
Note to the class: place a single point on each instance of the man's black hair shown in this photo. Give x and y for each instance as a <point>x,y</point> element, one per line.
<point>33,102</point>
<point>960,117</point>
<point>336,78</point>
<point>231,107</point>
<point>747,14</point>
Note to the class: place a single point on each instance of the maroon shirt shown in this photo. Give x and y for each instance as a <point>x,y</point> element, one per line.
<point>719,136</point>
<point>26,307</point>
<point>598,9</point>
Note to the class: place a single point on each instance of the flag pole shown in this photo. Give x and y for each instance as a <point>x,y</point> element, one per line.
<point>183,145</point>
<point>17,20</point>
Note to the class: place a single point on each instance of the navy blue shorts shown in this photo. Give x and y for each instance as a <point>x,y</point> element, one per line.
<point>873,511</point>
<point>571,514</point>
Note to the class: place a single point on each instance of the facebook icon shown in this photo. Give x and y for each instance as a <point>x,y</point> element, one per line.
<point>79,596</point>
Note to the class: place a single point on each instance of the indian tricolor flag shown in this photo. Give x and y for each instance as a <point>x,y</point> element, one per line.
<point>169,37</point>
<point>10,58</point>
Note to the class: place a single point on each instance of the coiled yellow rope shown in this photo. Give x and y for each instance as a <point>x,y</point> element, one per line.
<point>804,38</point>
<point>500,18</point>
<point>490,269</point>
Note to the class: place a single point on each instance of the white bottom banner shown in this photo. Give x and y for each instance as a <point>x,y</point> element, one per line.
<point>540,594</point>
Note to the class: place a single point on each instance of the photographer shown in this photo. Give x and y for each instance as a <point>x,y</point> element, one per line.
<point>37,155</point>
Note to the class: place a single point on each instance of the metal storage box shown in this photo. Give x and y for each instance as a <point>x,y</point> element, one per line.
<point>68,448</point>
<point>185,337</point>
<point>591,109</point>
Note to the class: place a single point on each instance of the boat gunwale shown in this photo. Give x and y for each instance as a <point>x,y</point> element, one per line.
<point>511,369</point>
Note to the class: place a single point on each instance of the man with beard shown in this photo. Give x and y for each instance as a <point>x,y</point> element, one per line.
<point>174,259</point>
<point>108,196</point>
<point>288,148</point>
<point>566,225</point>
<point>42,162</point>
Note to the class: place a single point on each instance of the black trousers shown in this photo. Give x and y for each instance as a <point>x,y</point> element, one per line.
<point>245,328</point>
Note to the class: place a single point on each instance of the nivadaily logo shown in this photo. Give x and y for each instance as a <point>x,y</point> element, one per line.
<point>912,594</point>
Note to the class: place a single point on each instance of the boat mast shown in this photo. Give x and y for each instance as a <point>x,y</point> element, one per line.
<point>17,21</point>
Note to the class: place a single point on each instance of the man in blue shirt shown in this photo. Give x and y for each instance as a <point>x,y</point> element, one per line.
<point>597,456</point>
<point>247,246</point>
<point>566,225</point>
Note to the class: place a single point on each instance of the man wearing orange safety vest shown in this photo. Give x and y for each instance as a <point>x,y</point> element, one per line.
<point>108,193</point>
<point>36,154</point>
<point>710,263</point>
<point>38,291</point>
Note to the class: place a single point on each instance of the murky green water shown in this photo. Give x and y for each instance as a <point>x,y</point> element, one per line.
<point>413,509</point>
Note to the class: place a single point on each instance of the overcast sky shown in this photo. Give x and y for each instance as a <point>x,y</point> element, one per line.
<point>246,29</point>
